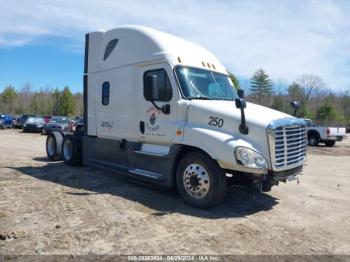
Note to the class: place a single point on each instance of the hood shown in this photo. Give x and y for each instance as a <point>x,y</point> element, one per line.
<point>256,115</point>
<point>54,124</point>
<point>223,117</point>
<point>34,123</point>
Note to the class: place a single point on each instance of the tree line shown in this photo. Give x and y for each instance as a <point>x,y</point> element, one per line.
<point>316,102</point>
<point>46,101</point>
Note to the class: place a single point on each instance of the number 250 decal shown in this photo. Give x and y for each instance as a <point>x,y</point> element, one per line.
<point>215,121</point>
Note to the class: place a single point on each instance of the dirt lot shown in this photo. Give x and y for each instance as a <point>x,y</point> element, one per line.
<point>49,208</point>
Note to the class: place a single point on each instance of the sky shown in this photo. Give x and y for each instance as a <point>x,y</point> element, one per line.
<point>42,41</point>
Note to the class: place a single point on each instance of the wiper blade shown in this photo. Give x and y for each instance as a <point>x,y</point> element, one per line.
<point>200,98</point>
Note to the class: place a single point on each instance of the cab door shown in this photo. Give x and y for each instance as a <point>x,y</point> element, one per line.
<point>157,125</point>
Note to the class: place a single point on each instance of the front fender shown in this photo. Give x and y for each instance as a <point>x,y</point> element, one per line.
<point>220,146</point>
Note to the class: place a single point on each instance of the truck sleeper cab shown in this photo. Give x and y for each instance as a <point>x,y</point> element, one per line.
<point>164,110</point>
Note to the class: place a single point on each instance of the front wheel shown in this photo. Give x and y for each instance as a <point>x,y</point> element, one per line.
<point>200,180</point>
<point>313,140</point>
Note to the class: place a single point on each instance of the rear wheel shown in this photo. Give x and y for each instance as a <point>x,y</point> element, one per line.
<point>200,180</point>
<point>313,140</point>
<point>330,143</point>
<point>52,147</point>
<point>71,154</point>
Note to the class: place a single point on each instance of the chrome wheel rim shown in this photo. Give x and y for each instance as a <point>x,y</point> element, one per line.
<point>51,146</point>
<point>312,141</point>
<point>68,149</point>
<point>196,180</point>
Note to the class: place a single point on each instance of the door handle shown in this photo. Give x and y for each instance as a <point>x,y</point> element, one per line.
<point>142,127</point>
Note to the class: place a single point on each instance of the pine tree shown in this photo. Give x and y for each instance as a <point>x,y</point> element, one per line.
<point>7,99</point>
<point>327,113</point>
<point>235,81</point>
<point>56,105</point>
<point>260,84</point>
<point>67,102</point>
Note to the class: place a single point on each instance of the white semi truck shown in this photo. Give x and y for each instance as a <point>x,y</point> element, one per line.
<point>163,110</point>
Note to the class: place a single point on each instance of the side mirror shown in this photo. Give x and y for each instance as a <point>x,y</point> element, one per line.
<point>240,93</point>
<point>151,88</point>
<point>240,103</point>
<point>151,93</point>
<point>295,105</point>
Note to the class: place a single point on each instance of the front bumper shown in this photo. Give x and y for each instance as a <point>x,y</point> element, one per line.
<point>32,129</point>
<point>334,138</point>
<point>263,182</point>
<point>283,175</point>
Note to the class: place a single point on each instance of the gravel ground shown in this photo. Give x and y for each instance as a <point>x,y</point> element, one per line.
<point>50,208</point>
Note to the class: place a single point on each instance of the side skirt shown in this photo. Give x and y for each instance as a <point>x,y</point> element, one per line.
<point>130,159</point>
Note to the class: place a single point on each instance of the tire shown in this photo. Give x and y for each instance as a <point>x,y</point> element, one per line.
<point>70,153</point>
<point>200,181</point>
<point>330,143</point>
<point>53,149</point>
<point>312,140</point>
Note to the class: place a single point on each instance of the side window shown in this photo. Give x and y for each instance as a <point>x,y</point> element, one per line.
<point>105,93</point>
<point>163,83</point>
<point>109,48</point>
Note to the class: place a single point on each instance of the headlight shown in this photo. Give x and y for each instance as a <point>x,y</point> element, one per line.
<point>250,158</point>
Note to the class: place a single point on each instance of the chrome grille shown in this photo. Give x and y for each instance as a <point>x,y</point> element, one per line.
<point>287,145</point>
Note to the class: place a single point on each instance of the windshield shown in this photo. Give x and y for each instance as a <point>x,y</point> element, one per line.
<point>204,84</point>
<point>308,122</point>
<point>61,120</point>
<point>35,120</point>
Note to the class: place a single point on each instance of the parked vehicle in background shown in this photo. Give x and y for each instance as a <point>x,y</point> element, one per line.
<point>56,123</point>
<point>74,122</point>
<point>21,120</point>
<point>321,134</point>
<point>47,119</point>
<point>14,121</point>
<point>34,124</point>
<point>5,121</point>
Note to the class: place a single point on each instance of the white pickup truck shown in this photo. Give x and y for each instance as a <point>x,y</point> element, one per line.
<point>163,110</point>
<point>321,134</point>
